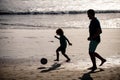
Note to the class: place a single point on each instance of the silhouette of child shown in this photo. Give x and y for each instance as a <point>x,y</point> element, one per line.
<point>63,44</point>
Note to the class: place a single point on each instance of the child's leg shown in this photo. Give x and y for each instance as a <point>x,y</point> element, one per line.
<point>63,52</point>
<point>57,53</point>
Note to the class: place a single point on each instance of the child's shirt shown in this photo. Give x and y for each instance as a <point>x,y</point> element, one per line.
<point>63,42</point>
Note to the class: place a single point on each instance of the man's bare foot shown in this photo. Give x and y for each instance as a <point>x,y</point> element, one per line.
<point>103,61</point>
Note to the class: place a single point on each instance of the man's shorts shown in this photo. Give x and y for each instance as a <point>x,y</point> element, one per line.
<point>93,46</point>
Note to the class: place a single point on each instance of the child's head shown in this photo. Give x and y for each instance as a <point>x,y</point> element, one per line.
<point>59,31</point>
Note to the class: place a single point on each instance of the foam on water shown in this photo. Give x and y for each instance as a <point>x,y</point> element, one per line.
<point>43,6</point>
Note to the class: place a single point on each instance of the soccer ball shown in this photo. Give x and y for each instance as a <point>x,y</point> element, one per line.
<point>43,61</point>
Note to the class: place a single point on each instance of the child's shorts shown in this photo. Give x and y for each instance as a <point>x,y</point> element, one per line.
<point>61,49</point>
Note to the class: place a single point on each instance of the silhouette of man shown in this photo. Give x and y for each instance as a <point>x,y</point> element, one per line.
<point>94,38</point>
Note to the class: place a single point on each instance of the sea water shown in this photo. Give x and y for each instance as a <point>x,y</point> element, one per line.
<point>49,14</point>
<point>77,21</point>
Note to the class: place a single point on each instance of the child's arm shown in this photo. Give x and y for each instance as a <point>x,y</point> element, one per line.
<point>57,37</point>
<point>68,41</point>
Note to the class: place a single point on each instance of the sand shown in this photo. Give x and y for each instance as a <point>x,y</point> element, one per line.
<point>22,49</point>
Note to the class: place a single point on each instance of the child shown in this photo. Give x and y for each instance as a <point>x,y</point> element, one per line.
<point>63,44</point>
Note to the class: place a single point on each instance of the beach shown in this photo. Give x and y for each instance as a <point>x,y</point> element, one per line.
<point>22,49</point>
<point>27,30</point>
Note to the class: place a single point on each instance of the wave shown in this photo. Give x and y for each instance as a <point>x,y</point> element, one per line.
<point>27,26</point>
<point>56,12</point>
<point>18,24</point>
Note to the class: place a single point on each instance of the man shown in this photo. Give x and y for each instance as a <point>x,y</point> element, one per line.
<point>94,38</point>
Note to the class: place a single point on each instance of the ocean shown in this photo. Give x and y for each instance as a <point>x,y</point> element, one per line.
<point>50,14</point>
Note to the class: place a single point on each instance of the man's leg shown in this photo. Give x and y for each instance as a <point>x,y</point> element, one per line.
<point>92,48</point>
<point>92,56</point>
<point>101,58</point>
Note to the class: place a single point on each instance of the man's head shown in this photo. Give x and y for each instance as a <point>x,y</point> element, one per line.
<point>91,13</point>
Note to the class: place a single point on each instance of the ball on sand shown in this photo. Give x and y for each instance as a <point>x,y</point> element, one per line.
<point>43,61</point>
